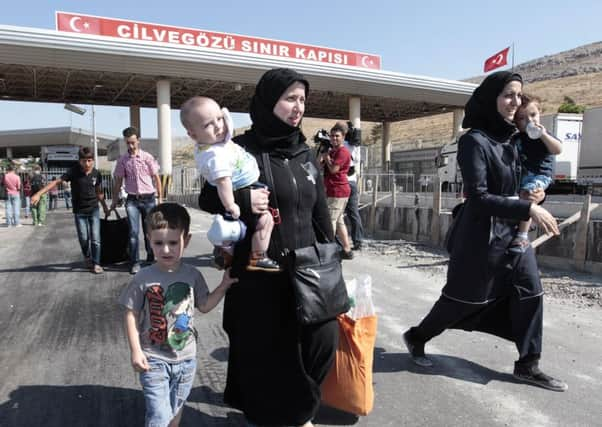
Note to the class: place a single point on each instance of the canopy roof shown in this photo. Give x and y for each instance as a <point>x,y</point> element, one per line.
<point>52,66</point>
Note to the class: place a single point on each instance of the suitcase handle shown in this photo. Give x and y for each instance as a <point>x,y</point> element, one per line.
<point>113,210</point>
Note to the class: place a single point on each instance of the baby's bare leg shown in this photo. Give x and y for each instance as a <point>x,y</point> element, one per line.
<point>261,238</point>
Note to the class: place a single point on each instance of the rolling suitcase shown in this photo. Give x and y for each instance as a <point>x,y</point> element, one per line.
<point>114,239</point>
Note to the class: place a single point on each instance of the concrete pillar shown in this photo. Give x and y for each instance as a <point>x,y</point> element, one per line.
<point>9,153</point>
<point>164,125</point>
<point>386,147</point>
<point>355,105</point>
<point>457,126</point>
<point>135,118</point>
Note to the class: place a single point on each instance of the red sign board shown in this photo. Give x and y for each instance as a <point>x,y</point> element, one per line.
<point>119,28</point>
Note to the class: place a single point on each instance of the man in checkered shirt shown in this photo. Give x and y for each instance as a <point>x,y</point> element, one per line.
<point>140,170</point>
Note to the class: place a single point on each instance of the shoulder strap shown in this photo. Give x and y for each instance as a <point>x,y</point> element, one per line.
<point>267,171</point>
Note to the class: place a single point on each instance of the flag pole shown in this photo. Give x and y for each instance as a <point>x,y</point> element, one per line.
<point>512,56</point>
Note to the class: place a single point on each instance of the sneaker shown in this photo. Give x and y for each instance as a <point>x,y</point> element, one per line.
<point>533,375</point>
<point>97,269</point>
<point>135,268</point>
<point>357,246</point>
<point>263,264</point>
<point>19,225</point>
<point>416,351</point>
<point>347,255</point>
<point>519,245</point>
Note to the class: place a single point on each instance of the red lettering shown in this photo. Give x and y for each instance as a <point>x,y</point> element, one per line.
<point>158,323</point>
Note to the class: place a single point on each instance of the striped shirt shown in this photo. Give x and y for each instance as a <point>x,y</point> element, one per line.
<point>138,171</point>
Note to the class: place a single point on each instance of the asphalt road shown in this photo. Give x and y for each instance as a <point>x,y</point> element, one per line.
<point>64,359</point>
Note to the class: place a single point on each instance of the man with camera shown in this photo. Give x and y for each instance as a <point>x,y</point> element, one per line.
<point>336,161</point>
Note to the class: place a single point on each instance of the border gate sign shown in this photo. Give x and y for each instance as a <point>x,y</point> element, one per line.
<point>131,30</point>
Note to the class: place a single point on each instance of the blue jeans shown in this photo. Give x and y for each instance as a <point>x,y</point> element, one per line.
<point>137,209</point>
<point>166,387</point>
<point>88,233</point>
<point>27,206</point>
<point>67,196</point>
<point>13,209</point>
<point>531,182</point>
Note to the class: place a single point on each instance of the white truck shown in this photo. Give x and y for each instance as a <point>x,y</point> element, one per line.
<point>447,167</point>
<point>589,173</point>
<point>566,127</point>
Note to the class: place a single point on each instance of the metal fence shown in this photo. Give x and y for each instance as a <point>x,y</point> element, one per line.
<point>404,182</point>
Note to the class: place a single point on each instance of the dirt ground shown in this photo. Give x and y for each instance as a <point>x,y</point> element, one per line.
<point>567,287</point>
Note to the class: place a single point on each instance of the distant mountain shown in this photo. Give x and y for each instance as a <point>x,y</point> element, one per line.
<point>581,60</point>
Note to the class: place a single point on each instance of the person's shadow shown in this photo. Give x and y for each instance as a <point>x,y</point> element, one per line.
<point>448,366</point>
<point>93,405</point>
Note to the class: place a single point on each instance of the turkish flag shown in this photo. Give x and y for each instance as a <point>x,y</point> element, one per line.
<point>498,60</point>
<point>77,24</point>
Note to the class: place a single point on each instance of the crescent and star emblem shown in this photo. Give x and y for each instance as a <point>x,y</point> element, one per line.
<point>73,24</point>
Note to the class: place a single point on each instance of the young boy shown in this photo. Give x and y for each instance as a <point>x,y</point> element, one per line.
<point>227,166</point>
<point>87,192</point>
<point>159,304</point>
<point>537,159</point>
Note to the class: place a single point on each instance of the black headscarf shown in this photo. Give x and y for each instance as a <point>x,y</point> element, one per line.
<point>270,130</point>
<point>481,112</point>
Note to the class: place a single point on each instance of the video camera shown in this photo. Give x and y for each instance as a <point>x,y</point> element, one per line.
<point>322,140</point>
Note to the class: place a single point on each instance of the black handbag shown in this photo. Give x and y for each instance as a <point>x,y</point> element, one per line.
<point>114,239</point>
<point>315,271</point>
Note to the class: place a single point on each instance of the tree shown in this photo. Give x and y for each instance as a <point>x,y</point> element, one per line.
<point>569,106</point>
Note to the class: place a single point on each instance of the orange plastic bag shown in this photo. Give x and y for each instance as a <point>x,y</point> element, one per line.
<point>348,385</point>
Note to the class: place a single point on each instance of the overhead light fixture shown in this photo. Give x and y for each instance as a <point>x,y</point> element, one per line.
<point>75,109</point>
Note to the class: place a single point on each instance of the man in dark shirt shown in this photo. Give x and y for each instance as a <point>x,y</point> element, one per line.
<point>86,190</point>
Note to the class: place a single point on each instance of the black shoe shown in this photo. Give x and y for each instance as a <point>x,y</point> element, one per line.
<point>416,351</point>
<point>533,375</point>
<point>357,246</point>
<point>222,259</point>
<point>346,255</point>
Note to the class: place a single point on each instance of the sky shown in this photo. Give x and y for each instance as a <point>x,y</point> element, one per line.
<point>444,39</point>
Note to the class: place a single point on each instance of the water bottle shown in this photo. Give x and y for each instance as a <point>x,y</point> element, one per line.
<point>533,131</point>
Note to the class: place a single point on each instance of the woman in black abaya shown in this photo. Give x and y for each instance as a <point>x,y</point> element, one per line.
<point>487,289</point>
<point>275,365</point>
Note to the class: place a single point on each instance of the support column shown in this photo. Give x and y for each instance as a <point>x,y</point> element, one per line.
<point>386,147</point>
<point>355,105</point>
<point>135,118</point>
<point>9,153</point>
<point>164,130</point>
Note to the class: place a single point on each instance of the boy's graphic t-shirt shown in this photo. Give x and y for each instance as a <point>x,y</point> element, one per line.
<point>166,302</point>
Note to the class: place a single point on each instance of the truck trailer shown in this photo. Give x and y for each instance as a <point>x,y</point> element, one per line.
<point>589,172</point>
